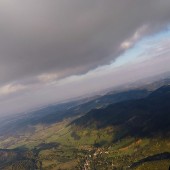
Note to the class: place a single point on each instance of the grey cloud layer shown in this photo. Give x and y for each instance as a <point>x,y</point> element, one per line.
<point>69,36</point>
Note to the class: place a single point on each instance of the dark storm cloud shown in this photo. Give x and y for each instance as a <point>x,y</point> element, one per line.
<point>70,36</point>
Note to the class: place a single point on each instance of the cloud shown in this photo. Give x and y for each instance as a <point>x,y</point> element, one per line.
<point>11,88</point>
<point>68,37</point>
<point>90,83</point>
<point>46,78</point>
<point>136,36</point>
<point>53,50</point>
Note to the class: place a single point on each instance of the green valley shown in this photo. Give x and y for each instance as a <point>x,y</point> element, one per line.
<point>131,133</point>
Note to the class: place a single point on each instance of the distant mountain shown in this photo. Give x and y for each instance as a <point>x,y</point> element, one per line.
<point>57,113</point>
<point>120,130</point>
<point>141,117</point>
<point>151,83</point>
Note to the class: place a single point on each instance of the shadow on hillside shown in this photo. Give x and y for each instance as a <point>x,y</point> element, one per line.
<point>46,146</point>
<point>137,118</point>
<point>157,157</point>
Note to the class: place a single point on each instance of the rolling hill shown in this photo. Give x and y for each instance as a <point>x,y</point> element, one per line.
<point>128,129</point>
<point>142,117</point>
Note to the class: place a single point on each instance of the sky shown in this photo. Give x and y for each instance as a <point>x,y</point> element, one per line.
<point>55,50</point>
